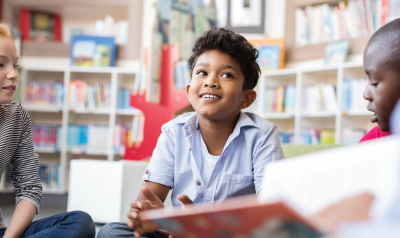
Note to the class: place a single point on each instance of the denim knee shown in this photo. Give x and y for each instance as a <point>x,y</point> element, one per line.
<point>84,223</point>
<point>113,229</point>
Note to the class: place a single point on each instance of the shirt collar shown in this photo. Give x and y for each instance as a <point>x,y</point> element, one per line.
<point>191,122</point>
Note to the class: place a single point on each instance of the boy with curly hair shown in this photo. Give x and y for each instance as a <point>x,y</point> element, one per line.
<point>217,152</point>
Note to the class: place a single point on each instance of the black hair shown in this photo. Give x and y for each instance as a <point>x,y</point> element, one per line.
<point>388,37</point>
<point>236,46</point>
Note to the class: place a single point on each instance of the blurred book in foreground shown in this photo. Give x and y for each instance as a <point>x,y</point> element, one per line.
<point>306,196</point>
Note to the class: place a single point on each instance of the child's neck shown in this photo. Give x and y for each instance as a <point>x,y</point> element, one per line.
<point>216,133</point>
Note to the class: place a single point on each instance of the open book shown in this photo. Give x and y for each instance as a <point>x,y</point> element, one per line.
<point>301,197</point>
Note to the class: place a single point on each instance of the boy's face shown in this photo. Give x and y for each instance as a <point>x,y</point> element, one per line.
<point>383,89</point>
<point>8,70</point>
<point>216,90</point>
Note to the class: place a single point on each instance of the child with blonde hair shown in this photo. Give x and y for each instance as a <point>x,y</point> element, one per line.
<point>16,148</point>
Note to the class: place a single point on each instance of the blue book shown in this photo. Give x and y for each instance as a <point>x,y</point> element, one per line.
<point>93,50</point>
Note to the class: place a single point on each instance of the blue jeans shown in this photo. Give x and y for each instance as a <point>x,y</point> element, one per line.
<point>75,224</point>
<point>121,230</point>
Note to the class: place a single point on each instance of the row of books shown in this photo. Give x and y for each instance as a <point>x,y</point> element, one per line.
<point>109,27</point>
<point>44,93</point>
<point>312,136</point>
<point>352,136</point>
<point>182,74</point>
<point>125,136</point>
<point>85,95</point>
<point>124,98</point>
<point>353,90</point>
<point>46,137</point>
<point>280,99</point>
<point>49,174</point>
<point>286,138</point>
<point>87,139</point>
<point>356,18</point>
<point>320,97</point>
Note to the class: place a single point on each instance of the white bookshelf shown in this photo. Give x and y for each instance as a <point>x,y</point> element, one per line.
<point>294,122</point>
<point>66,115</point>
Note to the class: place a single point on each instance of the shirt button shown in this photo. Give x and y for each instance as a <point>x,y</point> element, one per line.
<point>190,149</point>
<point>198,183</point>
<point>147,171</point>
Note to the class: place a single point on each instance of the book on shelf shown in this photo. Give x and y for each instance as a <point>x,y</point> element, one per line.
<point>40,26</point>
<point>336,52</point>
<point>312,136</point>
<point>97,51</point>
<point>110,27</point>
<point>181,74</point>
<point>356,18</point>
<point>302,197</point>
<point>353,89</point>
<point>352,135</point>
<point>87,139</point>
<point>280,99</point>
<point>124,98</point>
<point>286,138</point>
<point>125,136</point>
<point>89,95</point>
<point>44,93</point>
<point>49,174</point>
<point>320,98</point>
<point>46,137</point>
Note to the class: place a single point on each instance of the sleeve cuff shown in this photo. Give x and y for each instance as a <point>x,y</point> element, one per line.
<point>17,200</point>
<point>155,179</point>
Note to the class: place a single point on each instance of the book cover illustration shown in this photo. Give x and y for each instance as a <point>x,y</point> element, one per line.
<point>336,52</point>
<point>269,56</point>
<point>93,51</point>
<point>228,219</point>
<point>40,26</point>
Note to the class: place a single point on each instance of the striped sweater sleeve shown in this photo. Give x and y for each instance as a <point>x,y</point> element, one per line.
<point>25,166</point>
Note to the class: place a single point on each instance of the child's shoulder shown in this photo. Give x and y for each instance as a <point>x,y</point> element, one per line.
<point>260,123</point>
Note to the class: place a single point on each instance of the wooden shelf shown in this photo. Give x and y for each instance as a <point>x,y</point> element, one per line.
<point>317,51</point>
<point>77,10</point>
<point>58,49</point>
<point>303,3</point>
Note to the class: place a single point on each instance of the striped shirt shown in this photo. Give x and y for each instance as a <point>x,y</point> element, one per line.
<point>16,147</point>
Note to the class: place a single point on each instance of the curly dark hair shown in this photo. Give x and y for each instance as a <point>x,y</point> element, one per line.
<point>235,46</point>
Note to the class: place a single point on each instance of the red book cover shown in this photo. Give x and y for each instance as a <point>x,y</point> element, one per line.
<point>57,28</point>
<point>25,24</point>
<point>237,217</point>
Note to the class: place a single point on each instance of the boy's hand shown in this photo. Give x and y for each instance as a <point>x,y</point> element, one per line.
<point>186,202</point>
<point>152,202</point>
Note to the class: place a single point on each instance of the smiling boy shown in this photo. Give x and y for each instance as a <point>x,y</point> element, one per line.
<point>382,65</point>
<point>218,151</point>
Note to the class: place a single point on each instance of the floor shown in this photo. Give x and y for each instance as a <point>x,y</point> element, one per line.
<point>44,212</point>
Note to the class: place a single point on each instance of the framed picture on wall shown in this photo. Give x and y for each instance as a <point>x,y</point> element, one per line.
<point>242,16</point>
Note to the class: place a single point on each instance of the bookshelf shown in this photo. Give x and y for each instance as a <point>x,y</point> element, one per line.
<point>293,122</point>
<point>81,14</point>
<point>66,115</point>
<point>308,28</point>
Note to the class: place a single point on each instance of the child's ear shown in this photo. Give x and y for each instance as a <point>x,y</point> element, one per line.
<point>249,96</point>
<point>187,91</point>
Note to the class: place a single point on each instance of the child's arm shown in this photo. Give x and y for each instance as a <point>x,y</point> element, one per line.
<point>268,150</point>
<point>151,196</point>
<point>27,185</point>
<point>21,219</point>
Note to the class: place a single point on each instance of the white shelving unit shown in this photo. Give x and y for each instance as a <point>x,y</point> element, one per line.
<point>119,77</point>
<point>294,122</point>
